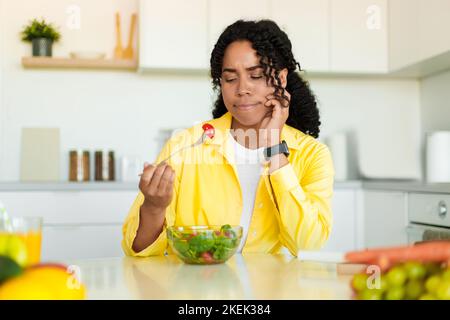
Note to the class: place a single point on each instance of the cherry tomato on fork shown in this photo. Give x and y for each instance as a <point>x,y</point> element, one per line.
<point>208,130</point>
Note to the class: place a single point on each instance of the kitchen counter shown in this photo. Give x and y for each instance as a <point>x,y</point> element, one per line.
<point>249,276</point>
<point>407,186</point>
<point>69,186</point>
<point>386,185</point>
<point>393,185</point>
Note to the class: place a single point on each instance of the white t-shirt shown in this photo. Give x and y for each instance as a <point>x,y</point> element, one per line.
<point>249,165</point>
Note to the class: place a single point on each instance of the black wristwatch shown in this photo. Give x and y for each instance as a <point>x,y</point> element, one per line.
<point>276,149</point>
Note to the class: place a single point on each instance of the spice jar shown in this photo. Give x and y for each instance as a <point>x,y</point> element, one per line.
<point>104,166</point>
<point>79,165</point>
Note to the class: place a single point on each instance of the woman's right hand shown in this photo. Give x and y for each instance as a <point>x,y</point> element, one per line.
<point>156,185</point>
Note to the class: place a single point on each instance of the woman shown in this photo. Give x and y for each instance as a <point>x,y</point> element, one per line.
<point>283,198</point>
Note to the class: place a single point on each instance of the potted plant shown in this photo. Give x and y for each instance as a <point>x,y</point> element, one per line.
<point>42,35</point>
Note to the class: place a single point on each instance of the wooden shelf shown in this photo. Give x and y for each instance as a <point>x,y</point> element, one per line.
<point>55,62</point>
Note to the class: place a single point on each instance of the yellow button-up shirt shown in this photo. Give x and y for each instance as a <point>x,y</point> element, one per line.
<point>292,205</point>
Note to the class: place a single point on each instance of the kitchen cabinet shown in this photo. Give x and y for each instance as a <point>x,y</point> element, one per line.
<point>336,36</point>
<point>418,34</point>
<point>404,47</point>
<point>307,24</point>
<point>385,218</point>
<point>63,242</point>
<point>77,224</point>
<point>70,207</point>
<point>328,36</point>
<point>223,13</point>
<point>173,34</point>
<point>434,24</point>
<point>343,236</point>
<point>358,36</point>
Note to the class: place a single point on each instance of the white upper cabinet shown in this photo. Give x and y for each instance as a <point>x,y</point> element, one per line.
<point>359,36</point>
<point>173,34</point>
<point>418,32</point>
<point>404,47</point>
<point>434,22</point>
<point>306,23</point>
<point>328,36</point>
<point>223,13</point>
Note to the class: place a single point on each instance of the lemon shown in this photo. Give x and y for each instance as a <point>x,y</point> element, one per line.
<point>43,282</point>
<point>21,288</point>
<point>13,246</point>
<point>65,285</point>
<point>18,250</point>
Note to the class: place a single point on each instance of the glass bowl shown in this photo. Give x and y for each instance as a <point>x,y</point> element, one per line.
<point>204,244</point>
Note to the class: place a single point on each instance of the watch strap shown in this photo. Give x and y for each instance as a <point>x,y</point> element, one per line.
<point>276,149</point>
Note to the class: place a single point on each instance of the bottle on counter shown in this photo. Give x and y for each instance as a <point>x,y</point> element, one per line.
<point>79,165</point>
<point>131,167</point>
<point>104,166</point>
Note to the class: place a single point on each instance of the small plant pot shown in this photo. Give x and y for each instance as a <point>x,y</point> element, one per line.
<point>42,47</point>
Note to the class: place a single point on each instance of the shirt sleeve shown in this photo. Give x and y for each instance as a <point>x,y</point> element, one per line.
<point>131,224</point>
<point>304,206</point>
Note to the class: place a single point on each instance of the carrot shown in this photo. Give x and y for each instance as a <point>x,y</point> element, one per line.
<point>433,251</point>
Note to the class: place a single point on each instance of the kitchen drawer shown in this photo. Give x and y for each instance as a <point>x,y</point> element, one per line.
<point>343,233</point>
<point>429,208</point>
<point>74,242</point>
<point>385,218</point>
<point>70,207</point>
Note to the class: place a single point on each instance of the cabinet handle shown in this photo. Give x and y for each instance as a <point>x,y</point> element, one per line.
<point>442,209</point>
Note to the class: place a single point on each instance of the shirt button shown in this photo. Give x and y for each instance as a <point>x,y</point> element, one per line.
<point>260,205</point>
<point>254,233</point>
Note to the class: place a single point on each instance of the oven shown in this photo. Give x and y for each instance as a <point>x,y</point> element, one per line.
<point>428,217</point>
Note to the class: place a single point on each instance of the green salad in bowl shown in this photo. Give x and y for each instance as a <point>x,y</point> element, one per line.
<point>204,244</point>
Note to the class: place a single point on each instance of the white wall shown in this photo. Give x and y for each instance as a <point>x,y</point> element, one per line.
<point>382,120</point>
<point>124,110</point>
<point>435,105</point>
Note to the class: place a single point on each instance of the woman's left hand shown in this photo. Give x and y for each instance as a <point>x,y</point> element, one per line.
<point>276,117</point>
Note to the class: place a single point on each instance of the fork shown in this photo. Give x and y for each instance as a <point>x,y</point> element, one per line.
<point>208,131</point>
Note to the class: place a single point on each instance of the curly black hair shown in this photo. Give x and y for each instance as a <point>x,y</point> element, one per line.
<point>274,48</point>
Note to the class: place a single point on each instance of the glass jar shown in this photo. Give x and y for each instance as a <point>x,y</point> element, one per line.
<point>104,166</point>
<point>79,165</point>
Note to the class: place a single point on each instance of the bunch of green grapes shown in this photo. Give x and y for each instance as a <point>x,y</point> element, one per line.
<point>405,281</point>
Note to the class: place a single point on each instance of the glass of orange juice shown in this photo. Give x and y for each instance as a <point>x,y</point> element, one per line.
<point>29,231</point>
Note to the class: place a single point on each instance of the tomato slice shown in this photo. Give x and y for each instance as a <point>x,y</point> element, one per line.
<point>207,256</point>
